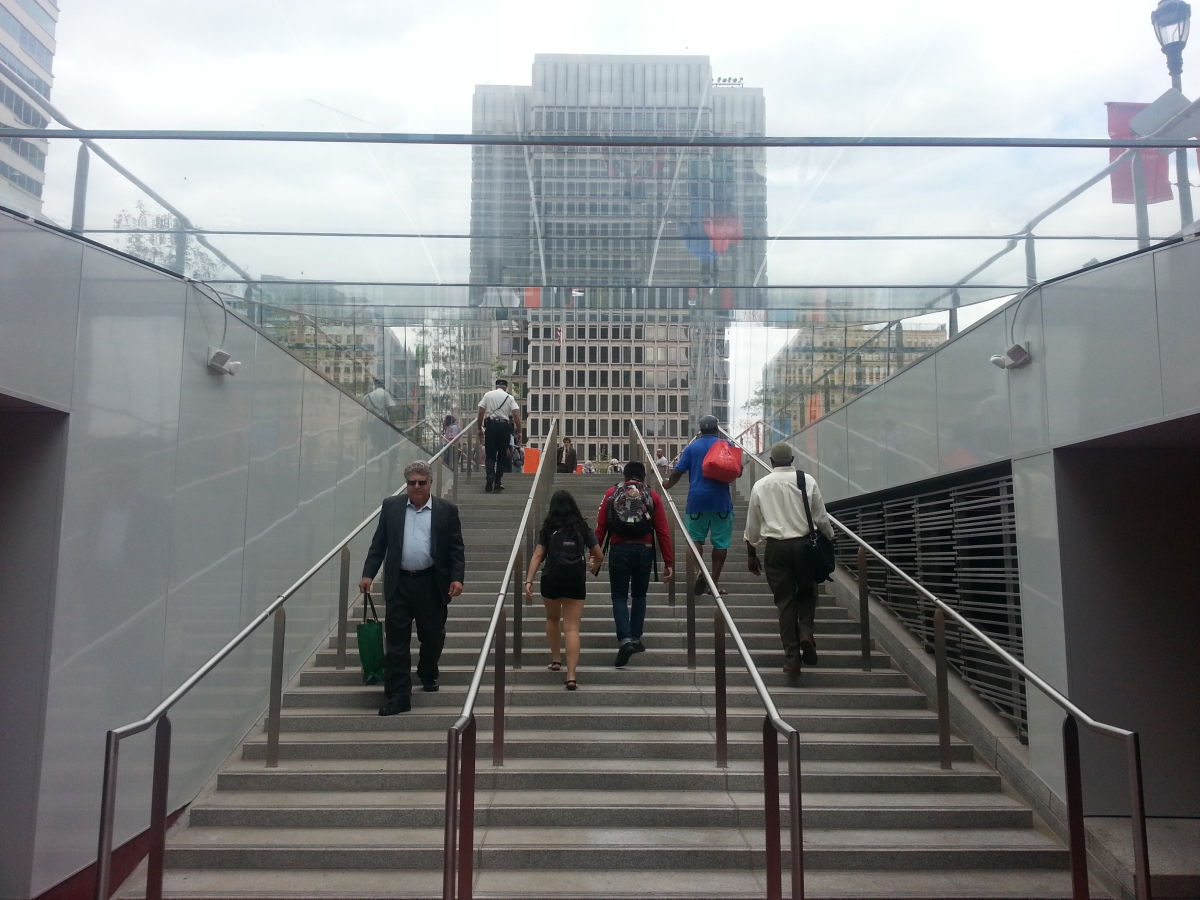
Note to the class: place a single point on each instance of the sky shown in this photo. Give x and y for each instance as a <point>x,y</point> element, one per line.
<point>902,67</point>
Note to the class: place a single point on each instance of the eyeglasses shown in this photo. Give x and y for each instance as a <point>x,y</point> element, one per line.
<point>412,483</point>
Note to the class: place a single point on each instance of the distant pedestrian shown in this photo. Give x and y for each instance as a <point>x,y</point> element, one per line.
<point>614,466</point>
<point>498,415</point>
<point>419,543</point>
<point>567,459</point>
<point>565,540</point>
<point>450,430</point>
<point>380,402</point>
<point>589,468</point>
<point>631,516</point>
<point>662,463</point>
<point>709,502</point>
<point>777,518</point>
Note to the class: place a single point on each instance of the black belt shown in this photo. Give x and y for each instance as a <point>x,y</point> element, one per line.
<point>405,573</point>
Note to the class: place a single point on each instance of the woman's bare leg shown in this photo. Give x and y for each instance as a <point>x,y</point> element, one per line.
<point>572,615</point>
<point>553,634</point>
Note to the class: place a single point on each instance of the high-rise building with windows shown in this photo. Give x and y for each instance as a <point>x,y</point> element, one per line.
<point>26,60</point>
<point>620,264</point>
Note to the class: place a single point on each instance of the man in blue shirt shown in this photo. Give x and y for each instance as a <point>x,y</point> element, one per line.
<point>709,503</point>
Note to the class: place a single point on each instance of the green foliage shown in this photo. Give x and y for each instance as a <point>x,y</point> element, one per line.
<point>157,243</point>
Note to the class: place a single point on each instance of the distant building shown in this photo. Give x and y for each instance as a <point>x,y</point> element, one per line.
<point>616,268</point>
<point>826,364</point>
<point>26,62</point>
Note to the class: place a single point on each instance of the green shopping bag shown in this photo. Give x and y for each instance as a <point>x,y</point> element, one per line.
<point>370,644</point>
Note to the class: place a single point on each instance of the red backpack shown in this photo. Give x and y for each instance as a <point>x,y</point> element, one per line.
<point>722,462</point>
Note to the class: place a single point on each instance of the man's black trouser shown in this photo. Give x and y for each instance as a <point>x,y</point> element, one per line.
<point>416,598</point>
<point>785,564</point>
<point>496,435</point>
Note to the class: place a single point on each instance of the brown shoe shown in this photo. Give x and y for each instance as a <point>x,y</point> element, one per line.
<point>791,670</point>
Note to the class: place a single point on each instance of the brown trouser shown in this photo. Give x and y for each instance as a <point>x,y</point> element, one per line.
<point>795,594</point>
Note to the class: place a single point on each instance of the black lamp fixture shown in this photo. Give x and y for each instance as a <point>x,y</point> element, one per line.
<point>1172,20</point>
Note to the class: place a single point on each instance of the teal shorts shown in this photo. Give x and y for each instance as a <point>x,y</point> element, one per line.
<point>719,523</point>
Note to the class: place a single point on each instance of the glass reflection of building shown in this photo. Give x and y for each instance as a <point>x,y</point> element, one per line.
<point>26,58</point>
<point>620,265</point>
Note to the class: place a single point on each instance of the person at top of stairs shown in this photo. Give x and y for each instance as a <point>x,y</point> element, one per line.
<point>499,416</point>
<point>776,516</point>
<point>561,542</point>
<point>630,517</point>
<point>567,458</point>
<point>709,502</point>
<point>419,542</point>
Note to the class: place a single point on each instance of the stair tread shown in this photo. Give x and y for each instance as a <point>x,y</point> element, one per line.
<point>558,765</point>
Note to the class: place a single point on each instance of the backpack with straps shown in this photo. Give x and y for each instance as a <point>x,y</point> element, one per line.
<point>565,551</point>
<point>631,510</point>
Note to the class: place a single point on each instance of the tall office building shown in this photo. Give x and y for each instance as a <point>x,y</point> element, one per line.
<point>26,59</point>
<point>621,264</point>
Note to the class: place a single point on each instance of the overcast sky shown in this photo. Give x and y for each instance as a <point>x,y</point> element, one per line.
<point>900,67</point>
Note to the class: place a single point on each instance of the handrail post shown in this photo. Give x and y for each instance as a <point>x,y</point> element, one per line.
<point>466,813</point>
<point>79,207</point>
<point>449,856</point>
<point>1137,812</point>
<point>518,602</point>
<point>1030,260</point>
<point>498,698</point>
<point>470,452</point>
<point>691,609</point>
<point>671,580</point>
<point>276,699</point>
<point>158,809</point>
<point>796,819</point>
<point>343,607</point>
<point>864,609</point>
<point>722,700</point>
<point>943,688</point>
<point>1141,217</point>
<point>771,810</point>
<point>1076,836</point>
<point>452,462</point>
<point>108,809</point>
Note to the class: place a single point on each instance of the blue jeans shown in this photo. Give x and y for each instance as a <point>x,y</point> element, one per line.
<point>629,565</point>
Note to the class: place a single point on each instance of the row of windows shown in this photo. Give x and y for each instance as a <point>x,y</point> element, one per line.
<point>27,39</point>
<point>610,402</point>
<point>617,332</point>
<point>39,15</point>
<point>612,427</point>
<point>20,179</point>
<point>665,380</point>
<point>608,120</point>
<point>637,356</point>
<point>25,113</point>
<point>26,151</point>
<point>31,77</point>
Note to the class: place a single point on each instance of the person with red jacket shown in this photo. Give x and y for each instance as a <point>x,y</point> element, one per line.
<point>631,516</point>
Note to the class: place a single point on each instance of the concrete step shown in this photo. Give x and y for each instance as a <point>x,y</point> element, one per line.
<point>594,639</point>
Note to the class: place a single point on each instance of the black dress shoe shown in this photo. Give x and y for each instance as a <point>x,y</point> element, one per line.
<point>430,687</point>
<point>394,705</point>
<point>808,653</point>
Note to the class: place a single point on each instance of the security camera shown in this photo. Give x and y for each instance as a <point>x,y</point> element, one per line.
<point>219,361</point>
<point>1014,357</point>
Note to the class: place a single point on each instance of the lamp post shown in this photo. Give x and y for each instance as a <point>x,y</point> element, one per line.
<point>1172,19</point>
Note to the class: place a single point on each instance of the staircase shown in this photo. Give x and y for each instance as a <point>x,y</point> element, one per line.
<point>611,791</point>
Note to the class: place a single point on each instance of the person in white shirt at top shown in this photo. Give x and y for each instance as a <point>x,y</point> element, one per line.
<point>776,518</point>
<point>498,416</point>
<point>380,402</point>
<point>663,464</point>
<point>614,466</point>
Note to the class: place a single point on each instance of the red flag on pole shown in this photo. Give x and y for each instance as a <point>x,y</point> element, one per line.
<point>1156,166</point>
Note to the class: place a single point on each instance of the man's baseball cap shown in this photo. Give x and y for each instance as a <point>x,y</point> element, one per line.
<point>709,423</point>
<point>501,381</point>
<point>782,454</point>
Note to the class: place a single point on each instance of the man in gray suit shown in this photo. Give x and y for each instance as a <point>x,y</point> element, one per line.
<point>420,544</point>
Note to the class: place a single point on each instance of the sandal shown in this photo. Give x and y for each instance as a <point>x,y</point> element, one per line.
<point>571,684</point>
<point>554,666</point>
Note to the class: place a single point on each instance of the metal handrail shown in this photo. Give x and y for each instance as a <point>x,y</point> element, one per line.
<point>457,860</point>
<point>158,716</point>
<point>773,723</point>
<point>1071,758</point>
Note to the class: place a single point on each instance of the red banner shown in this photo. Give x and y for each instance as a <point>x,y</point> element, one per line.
<point>1156,166</point>
<point>533,297</point>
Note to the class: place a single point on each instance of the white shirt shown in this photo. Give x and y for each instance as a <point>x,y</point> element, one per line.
<point>663,464</point>
<point>417,552</point>
<point>777,508</point>
<point>497,404</point>
<point>379,400</point>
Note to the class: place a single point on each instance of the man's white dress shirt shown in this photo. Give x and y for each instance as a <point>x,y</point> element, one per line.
<point>777,508</point>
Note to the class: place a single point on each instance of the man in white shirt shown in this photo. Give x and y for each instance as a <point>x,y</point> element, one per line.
<point>380,402</point>
<point>776,517</point>
<point>498,416</point>
<point>663,464</point>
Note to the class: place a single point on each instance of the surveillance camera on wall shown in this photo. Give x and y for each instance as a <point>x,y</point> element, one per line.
<point>1014,357</point>
<point>219,361</point>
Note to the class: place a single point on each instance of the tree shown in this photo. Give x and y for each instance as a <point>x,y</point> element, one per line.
<point>155,243</point>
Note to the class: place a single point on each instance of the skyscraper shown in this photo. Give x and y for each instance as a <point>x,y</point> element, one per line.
<point>622,262</point>
<point>26,59</point>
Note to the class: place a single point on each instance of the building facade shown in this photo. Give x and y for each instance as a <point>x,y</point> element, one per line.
<point>618,267</point>
<point>26,63</point>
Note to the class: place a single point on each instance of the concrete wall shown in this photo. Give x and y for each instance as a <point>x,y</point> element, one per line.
<point>1113,350</point>
<point>189,501</point>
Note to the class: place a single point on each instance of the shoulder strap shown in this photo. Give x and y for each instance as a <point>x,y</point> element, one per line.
<point>800,483</point>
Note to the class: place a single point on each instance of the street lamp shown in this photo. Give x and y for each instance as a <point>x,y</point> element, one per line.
<point>1172,20</point>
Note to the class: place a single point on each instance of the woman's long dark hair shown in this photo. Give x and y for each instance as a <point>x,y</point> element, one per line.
<point>563,514</point>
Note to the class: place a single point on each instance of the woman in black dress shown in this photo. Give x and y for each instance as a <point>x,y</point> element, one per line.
<point>564,541</point>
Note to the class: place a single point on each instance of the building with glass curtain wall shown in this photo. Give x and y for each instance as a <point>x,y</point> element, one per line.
<point>26,60</point>
<point>621,264</point>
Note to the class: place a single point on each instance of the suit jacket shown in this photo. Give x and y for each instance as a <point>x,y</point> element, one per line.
<point>449,560</point>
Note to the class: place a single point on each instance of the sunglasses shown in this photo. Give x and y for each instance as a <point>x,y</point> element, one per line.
<point>421,483</point>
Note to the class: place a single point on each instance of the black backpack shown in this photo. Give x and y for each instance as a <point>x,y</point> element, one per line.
<point>565,551</point>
